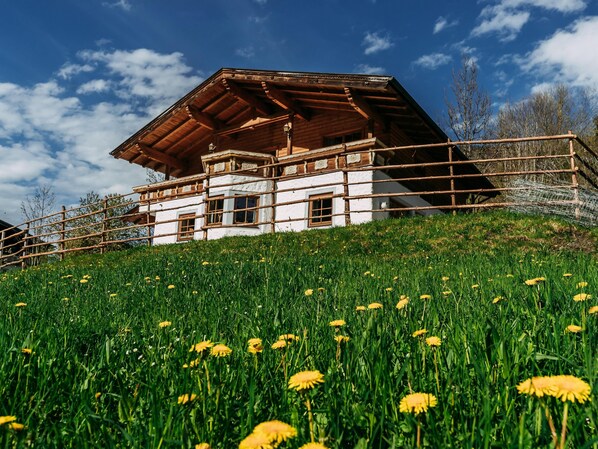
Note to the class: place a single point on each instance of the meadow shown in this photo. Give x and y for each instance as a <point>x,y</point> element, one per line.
<point>99,351</point>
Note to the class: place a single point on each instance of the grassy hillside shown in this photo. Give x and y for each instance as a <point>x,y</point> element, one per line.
<point>85,362</point>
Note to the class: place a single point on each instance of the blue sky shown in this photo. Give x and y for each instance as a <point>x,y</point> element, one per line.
<point>78,77</point>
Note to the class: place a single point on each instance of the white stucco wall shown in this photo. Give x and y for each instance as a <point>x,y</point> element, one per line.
<point>289,217</point>
<point>395,187</point>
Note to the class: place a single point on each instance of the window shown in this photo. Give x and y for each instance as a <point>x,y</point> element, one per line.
<point>343,138</point>
<point>215,209</point>
<point>186,227</point>
<point>245,211</point>
<point>320,210</point>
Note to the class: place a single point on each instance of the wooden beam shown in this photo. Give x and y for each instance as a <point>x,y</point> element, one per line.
<point>246,97</point>
<point>158,156</point>
<point>362,106</point>
<point>202,118</point>
<point>252,124</point>
<point>282,100</point>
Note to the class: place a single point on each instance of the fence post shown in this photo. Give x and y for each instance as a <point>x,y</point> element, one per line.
<point>104,225</point>
<point>25,238</point>
<point>2,236</point>
<point>148,219</point>
<point>346,189</point>
<point>206,202</point>
<point>62,231</point>
<point>574,182</point>
<point>452,178</point>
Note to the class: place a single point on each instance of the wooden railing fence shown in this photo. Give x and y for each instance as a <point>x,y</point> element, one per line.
<point>116,222</point>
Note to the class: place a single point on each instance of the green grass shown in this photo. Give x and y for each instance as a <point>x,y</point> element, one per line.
<point>105,337</point>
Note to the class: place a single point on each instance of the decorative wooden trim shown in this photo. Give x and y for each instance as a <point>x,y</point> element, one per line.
<point>205,120</point>
<point>246,97</point>
<point>158,156</point>
<point>282,100</point>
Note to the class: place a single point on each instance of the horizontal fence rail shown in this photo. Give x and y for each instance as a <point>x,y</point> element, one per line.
<point>393,182</point>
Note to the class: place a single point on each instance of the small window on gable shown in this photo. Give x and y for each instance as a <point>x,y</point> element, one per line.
<point>342,138</point>
<point>245,209</point>
<point>320,210</point>
<point>186,227</point>
<point>215,210</point>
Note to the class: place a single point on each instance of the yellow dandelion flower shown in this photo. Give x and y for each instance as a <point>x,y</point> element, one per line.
<point>185,398</point>
<point>170,287</point>
<point>375,306</point>
<point>388,289</point>
<point>26,351</point>
<point>342,338</point>
<point>570,388</point>
<point>425,296</point>
<point>337,323</point>
<point>475,286</point>
<point>497,299</point>
<point>305,380</point>
<point>447,292</point>
<point>582,297</point>
<point>192,364</point>
<point>113,295</point>
<point>254,345</point>
<point>164,324</point>
<point>593,310</point>
<point>581,284</point>
<point>21,304</point>
<point>360,308</point>
<point>402,303</point>
<point>7,419</point>
<point>276,431</point>
<point>256,441</point>
<point>313,446</point>
<point>419,333</point>
<point>202,446</point>
<point>98,395</point>
<point>321,289</point>
<point>205,262</point>
<point>445,278</point>
<point>17,427</point>
<point>574,329</point>
<point>279,344</point>
<point>567,275</point>
<point>157,278</point>
<point>367,273</point>
<point>417,403</point>
<point>221,351</point>
<point>201,346</point>
<point>309,292</point>
<point>433,341</point>
<point>289,337</point>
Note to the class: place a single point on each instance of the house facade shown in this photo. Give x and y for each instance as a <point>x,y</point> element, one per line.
<point>250,151</point>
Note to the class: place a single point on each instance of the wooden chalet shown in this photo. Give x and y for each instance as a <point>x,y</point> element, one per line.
<point>251,151</point>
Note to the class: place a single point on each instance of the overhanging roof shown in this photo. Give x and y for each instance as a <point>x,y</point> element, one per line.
<point>231,97</point>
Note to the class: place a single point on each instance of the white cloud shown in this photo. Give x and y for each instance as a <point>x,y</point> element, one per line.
<point>367,69</point>
<point>507,17</point>
<point>505,22</point>
<point>442,23</point>
<point>246,52</point>
<point>48,134</point>
<point>125,5</point>
<point>375,42</point>
<point>69,70</point>
<point>568,55</point>
<point>258,19</point>
<point>432,61</point>
<point>93,86</point>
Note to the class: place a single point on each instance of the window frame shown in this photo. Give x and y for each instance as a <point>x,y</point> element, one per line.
<point>186,226</point>
<point>212,212</point>
<point>311,209</point>
<point>246,210</point>
<point>343,137</point>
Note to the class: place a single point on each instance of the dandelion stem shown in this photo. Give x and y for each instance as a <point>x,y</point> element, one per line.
<point>311,419</point>
<point>207,376</point>
<point>419,431</point>
<point>436,369</point>
<point>551,425</point>
<point>338,352</point>
<point>564,428</point>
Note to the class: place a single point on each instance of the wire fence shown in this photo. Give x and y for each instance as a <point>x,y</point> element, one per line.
<point>362,182</point>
